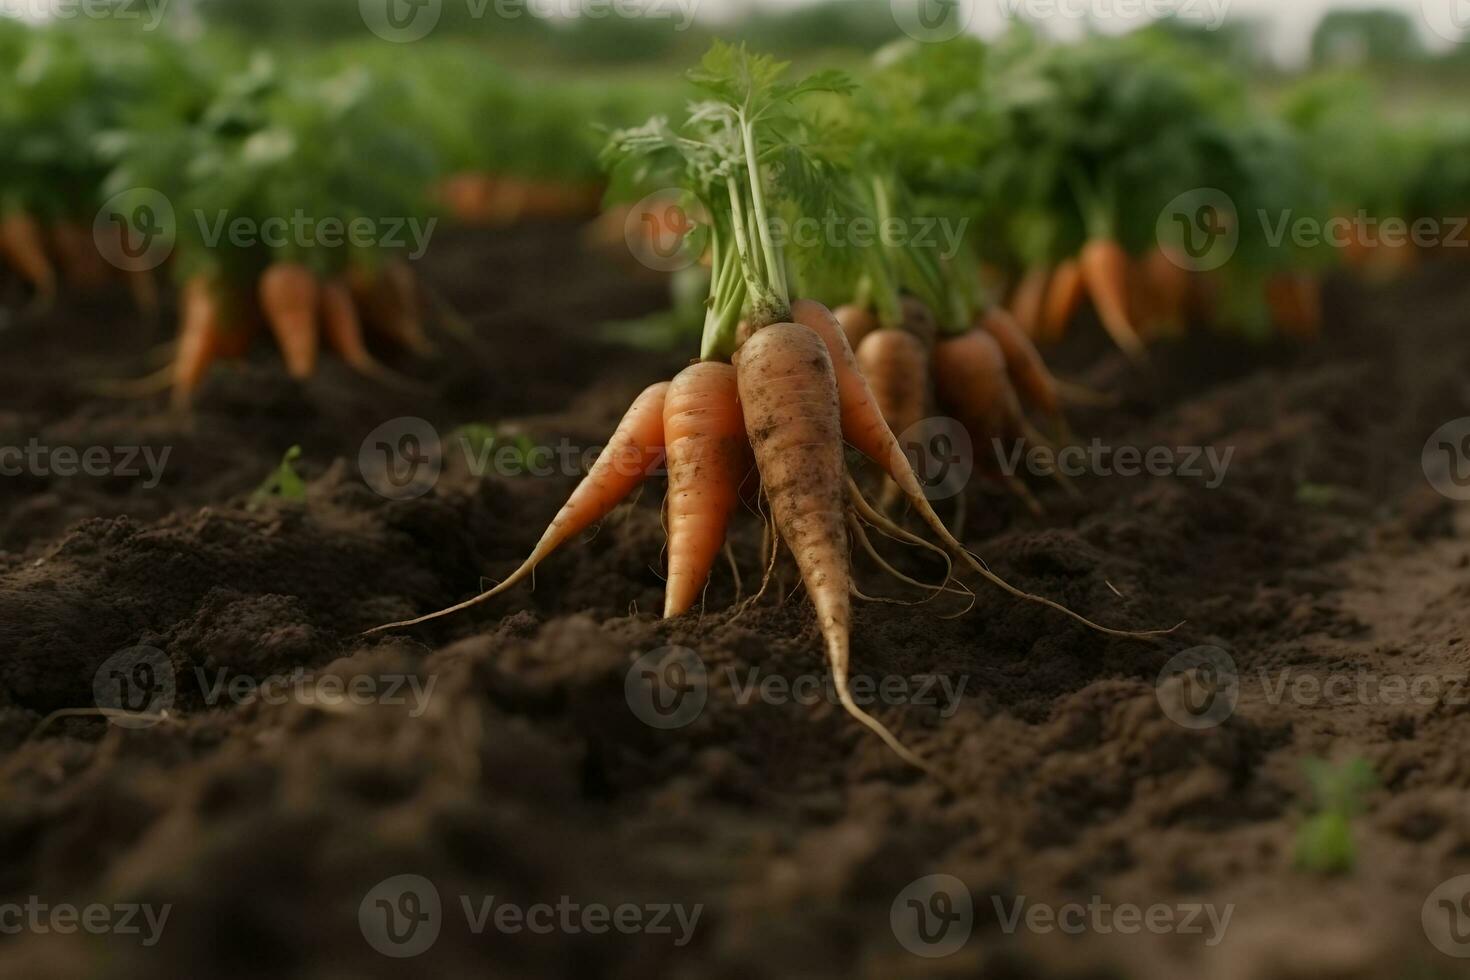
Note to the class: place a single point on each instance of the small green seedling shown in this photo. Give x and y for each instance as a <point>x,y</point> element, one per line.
<point>284,484</point>
<point>1317,495</point>
<point>1324,843</point>
<point>483,447</point>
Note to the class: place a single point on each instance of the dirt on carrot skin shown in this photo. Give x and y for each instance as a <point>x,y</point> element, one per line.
<point>499,755</point>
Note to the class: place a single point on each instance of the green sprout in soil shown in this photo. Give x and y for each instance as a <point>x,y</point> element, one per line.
<point>1324,843</point>
<point>483,445</point>
<point>283,484</point>
<point>1317,495</point>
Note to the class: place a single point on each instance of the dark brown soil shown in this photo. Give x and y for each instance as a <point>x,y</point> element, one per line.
<point>268,827</point>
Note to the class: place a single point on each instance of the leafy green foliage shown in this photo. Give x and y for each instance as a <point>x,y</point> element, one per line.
<point>273,146</point>
<point>1324,842</point>
<point>63,87</point>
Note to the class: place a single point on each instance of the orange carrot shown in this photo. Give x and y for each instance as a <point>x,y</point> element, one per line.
<point>342,328</point>
<point>1029,373</point>
<point>788,392</point>
<point>972,380</point>
<point>292,300</point>
<point>82,264</point>
<point>467,196</point>
<point>1063,298</point>
<point>857,322</point>
<point>896,366</point>
<point>556,199</point>
<point>635,449</point>
<point>388,298</point>
<point>863,427</point>
<point>23,244</point>
<point>1028,303</point>
<point>1167,280</point>
<point>1143,311</point>
<point>200,338</point>
<point>1295,300</point>
<point>708,459</point>
<point>1104,267</point>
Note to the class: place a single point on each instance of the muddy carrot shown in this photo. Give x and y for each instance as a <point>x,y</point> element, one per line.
<point>342,328</point>
<point>863,427</point>
<point>634,450</point>
<point>291,299</point>
<point>1029,300</point>
<point>1029,373</point>
<point>708,459</point>
<point>896,366</point>
<point>1104,267</point>
<point>1063,298</point>
<point>857,322</point>
<point>200,339</point>
<point>23,244</point>
<point>788,392</point>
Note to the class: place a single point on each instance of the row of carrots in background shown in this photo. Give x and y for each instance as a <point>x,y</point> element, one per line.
<point>1063,160</point>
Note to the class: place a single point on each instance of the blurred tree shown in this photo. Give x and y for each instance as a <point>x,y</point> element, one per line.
<point>859,24</point>
<point>1355,38</point>
<point>1237,42</point>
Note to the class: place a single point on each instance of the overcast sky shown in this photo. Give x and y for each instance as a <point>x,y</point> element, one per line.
<point>1290,21</point>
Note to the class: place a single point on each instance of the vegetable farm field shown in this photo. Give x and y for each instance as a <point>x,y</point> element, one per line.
<point>907,508</point>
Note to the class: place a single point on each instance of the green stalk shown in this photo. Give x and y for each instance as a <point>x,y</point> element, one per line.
<point>883,263</point>
<point>727,298</point>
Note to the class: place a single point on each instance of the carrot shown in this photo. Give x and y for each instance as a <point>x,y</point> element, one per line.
<point>863,427</point>
<point>1167,281</point>
<point>82,264</point>
<point>200,339</point>
<point>708,459</point>
<point>635,448</point>
<point>389,300</point>
<point>1028,372</point>
<point>1029,300</point>
<point>1104,267</point>
<point>1295,300</point>
<point>789,394</point>
<point>144,290</point>
<point>1143,311</point>
<point>1063,298</point>
<point>857,322</point>
<point>342,328</point>
<point>467,196</point>
<point>1202,303</point>
<point>554,199</point>
<point>292,300</point>
<point>23,244</point>
<point>896,366</point>
<point>972,380</point>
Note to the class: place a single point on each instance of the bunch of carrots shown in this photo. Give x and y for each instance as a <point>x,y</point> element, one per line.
<point>778,392</point>
<point>268,147</point>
